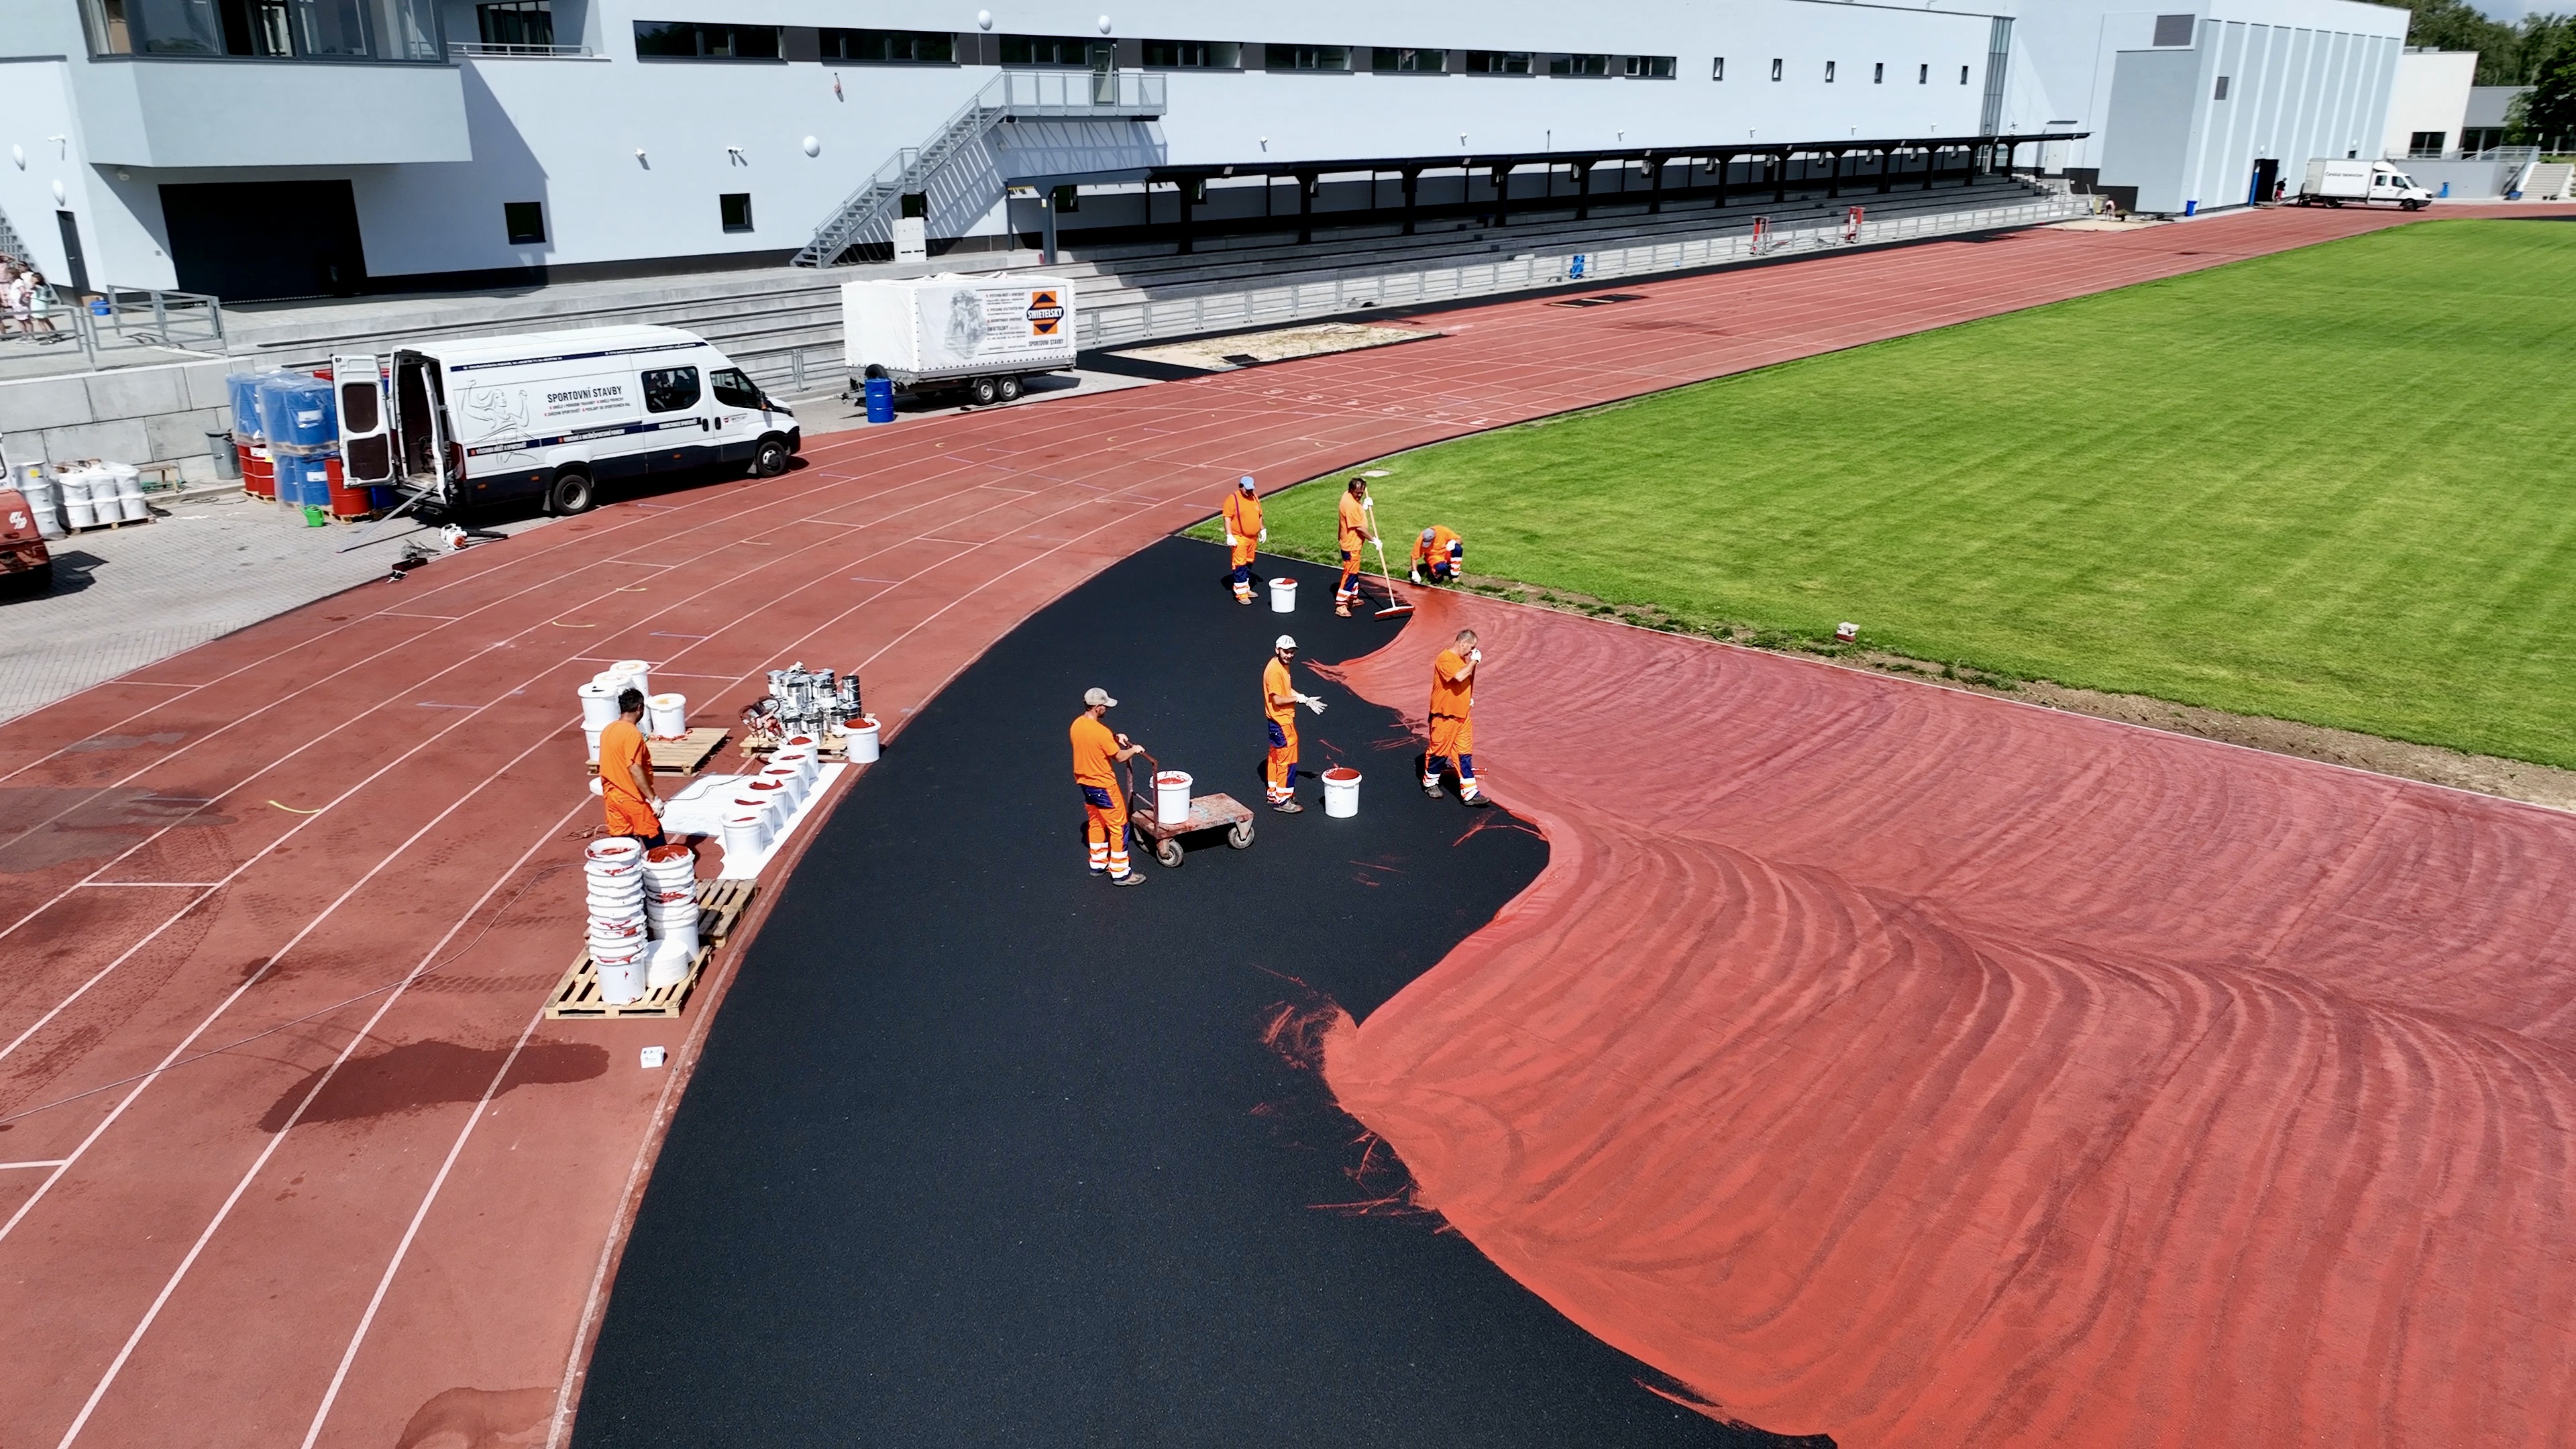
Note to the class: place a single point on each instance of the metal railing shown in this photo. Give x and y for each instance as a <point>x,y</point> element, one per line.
<point>479,49</point>
<point>2512,155</point>
<point>1152,317</point>
<point>146,317</point>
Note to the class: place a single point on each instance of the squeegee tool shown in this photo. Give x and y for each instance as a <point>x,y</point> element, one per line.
<point>1395,608</point>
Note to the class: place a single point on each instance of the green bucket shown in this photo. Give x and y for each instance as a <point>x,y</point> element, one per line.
<point>315,517</point>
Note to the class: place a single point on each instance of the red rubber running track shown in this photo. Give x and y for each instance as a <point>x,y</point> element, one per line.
<point>288,1155</point>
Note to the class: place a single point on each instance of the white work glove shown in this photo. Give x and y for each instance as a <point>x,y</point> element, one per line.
<point>1311,702</point>
<point>1475,656</point>
<point>1414,574</point>
<point>1265,535</point>
<point>657,808</point>
<point>1230,539</point>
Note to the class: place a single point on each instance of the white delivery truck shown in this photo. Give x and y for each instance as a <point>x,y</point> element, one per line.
<point>980,334</point>
<point>483,421</point>
<point>2332,183</point>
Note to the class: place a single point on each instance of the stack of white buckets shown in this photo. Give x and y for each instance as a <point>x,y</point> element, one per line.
<point>643,915</point>
<point>102,493</point>
<point>666,716</point>
<point>767,801</point>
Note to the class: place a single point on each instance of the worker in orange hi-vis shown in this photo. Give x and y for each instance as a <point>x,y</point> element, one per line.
<point>1095,748</point>
<point>1279,701</point>
<point>1438,555</point>
<point>1453,725</point>
<point>1358,527</point>
<point>626,774</point>
<point>1244,535</point>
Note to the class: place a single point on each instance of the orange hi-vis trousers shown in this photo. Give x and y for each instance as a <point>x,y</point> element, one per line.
<point>1105,826</point>
<point>1453,737</point>
<point>1281,768</point>
<point>1349,593</point>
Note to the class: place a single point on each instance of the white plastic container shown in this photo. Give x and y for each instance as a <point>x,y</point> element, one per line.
<point>622,981</point>
<point>860,740</point>
<point>78,513</point>
<point>743,836</point>
<point>1171,798</point>
<point>670,962</point>
<point>791,788</point>
<point>1283,596</point>
<point>615,851</point>
<point>590,735</point>
<point>633,673</point>
<point>668,714</point>
<point>598,708</point>
<point>1341,792</point>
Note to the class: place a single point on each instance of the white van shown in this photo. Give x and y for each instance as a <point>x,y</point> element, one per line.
<point>484,421</point>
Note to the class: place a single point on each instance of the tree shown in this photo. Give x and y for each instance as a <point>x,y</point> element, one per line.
<point>2548,113</point>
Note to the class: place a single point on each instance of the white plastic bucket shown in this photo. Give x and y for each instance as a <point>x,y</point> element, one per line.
<point>669,715</point>
<point>621,981</point>
<point>590,737</point>
<point>1283,596</point>
<point>632,672</point>
<point>808,769</point>
<point>598,707</point>
<point>614,850</point>
<point>1342,792</point>
<point>791,787</point>
<point>134,506</point>
<point>77,509</point>
<point>1171,798</point>
<point>860,739</point>
<point>670,962</point>
<point>742,835</point>
<point>762,805</point>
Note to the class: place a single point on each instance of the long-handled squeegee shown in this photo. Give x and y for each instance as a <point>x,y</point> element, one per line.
<point>1396,608</point>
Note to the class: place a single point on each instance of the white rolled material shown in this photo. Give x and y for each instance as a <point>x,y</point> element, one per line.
<point>668,715</point>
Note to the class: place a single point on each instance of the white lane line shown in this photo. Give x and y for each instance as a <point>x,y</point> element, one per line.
<point>278,1139</point>
<point>180,885</point>
<point>57,1162</point>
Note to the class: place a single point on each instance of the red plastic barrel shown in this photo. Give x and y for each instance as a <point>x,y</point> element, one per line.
<point>259,471</point>
<point>347,501</point>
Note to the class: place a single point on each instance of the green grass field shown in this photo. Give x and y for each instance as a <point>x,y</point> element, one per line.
<point>2336,485</point>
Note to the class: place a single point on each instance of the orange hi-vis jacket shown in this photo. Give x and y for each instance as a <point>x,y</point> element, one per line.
<point>623,756</point>
<point>1451,696</point>
<point>1242,515</point>
<point>1278,697</point>
<point>1095,749</point>
<point>1355,524</point>
<point>1437,549</point>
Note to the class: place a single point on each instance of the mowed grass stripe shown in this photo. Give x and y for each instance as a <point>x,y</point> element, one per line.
<point>2331,485</point>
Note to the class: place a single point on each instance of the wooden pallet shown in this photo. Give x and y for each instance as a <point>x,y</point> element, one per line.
<point>686,755</point>
<point>720,904</point>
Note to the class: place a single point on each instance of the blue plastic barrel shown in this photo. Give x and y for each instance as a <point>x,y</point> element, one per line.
<point>304,481</point>
<point>880,399</point>
<point>244,389</point>
<point>297,410</point>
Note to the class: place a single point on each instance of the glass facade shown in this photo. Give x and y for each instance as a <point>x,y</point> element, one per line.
<point>398,30</point>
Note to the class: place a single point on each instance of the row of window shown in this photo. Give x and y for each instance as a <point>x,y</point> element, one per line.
<point>760,42</point>
<point>525,221</point>
<point>332,30</point>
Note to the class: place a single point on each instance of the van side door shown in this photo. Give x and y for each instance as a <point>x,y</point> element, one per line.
<point>676,426</point>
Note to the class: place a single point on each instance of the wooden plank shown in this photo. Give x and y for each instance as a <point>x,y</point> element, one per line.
<point>576,996</point>
<point>686,755</point>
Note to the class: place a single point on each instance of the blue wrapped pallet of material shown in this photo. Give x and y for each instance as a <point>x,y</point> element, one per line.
<point>304,480</point>
<point>244,390</point>
<point>297,413</point>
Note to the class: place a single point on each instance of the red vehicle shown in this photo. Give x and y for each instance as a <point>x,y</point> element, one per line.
<point>25,564</point>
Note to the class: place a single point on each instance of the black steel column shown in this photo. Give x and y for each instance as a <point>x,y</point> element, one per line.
<point>1189,206</point>
<point>1779,177</point>
<point>1412,175</point>
<point>1306,207</point>
<point>1502,195</point>
<point>1655,191</point>
<point>1886,169</point>
<point>1834,185</point>
<point>1582,190</point>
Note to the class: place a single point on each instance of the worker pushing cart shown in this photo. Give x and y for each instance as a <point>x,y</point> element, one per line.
<point>1438,556</point>
<point>1453,725</point>
<point>1096,747</point>
<point>1279,701</point>
<point>1358,527</point>
<point>1244,535</point>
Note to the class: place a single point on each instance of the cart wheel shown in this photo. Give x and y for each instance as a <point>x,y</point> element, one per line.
<point>1240,835</point>
<point>1169,853</point>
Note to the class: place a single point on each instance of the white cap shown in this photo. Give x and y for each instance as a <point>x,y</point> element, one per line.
<point>1246,484</point>
<point>1097,695</point>
<point>1285,643</point>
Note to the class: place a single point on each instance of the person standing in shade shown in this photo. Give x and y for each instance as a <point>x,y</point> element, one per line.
<point>1096,748</point>
<point>1244,536</point>
<point>1358,527</point>
<point>1453,725</point>
<point>626,774</point>
<point>1279,701</point>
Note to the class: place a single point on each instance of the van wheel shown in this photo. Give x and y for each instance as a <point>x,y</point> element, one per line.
<point>770,458</point>
<point>2411,206</point>
<point>1010,389</point>
<point>985,391</point>
<point>573,493</point>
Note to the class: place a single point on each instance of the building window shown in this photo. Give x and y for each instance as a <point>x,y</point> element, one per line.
<point>1046,50</point>
<point>893,47</point>
<point>1194,54</point>
<point>1923,77</point>
<point>1775,69</point>
<point>734,207</point>
<point>525,221</point>
<point>1646,67</point>
<point>1963,75</point>
<point>1307,57</point>
<point>2173,30</point>
<point>1717,68</point>
<point>1498,62</point>
<point>1578,65</point>
<point>1829,72</point>
<point>406,30</point>
<point>1388,60</point>
<point>514,23</point>
<point>1068,198</point>
<point>2427,144</point>
<point>2221,93</point>
<point>685,39</point>
<point>1878,73</point>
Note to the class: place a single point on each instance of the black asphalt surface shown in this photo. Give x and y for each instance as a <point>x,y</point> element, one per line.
<point>985,1152</point>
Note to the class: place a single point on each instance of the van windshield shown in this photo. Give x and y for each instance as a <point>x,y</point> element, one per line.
<point>670,389</point>
<point>733,389</point>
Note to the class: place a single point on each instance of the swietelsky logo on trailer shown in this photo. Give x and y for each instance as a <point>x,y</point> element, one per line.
<point>1046,313</point>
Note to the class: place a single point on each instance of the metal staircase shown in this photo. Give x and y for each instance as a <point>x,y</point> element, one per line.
<point>10,244</point>
<point>868,214</point>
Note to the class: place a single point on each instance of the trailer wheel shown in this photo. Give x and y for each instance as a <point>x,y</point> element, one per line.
<point>572,493</point>
<point>1009,388</point>
<point>770,458</point>
<point>985,391</point>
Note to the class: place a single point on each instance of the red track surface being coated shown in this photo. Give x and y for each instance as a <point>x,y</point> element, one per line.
<point>287,1153</point>
<point>1928,1069</point>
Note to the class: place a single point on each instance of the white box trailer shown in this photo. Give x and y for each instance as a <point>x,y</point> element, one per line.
<point>981,334</point>
<point>480,421</point>
<point>2332,182</point>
